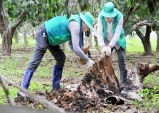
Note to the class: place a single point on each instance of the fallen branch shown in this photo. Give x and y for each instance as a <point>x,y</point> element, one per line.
<point>135,78</point>
<point>135,8</point>
<point>142,23</point>
<point>43,101</point>
<point>17,109</point>
<point>10,100</point>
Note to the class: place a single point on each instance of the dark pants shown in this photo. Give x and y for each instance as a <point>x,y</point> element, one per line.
<point>40,48</point>
<point>122,64</point>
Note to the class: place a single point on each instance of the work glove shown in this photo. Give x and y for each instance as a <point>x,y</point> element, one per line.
<point>107,50</point>
<point>90,63</point>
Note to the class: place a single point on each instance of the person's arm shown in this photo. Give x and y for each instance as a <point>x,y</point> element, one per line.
<point>70,45</point>
<point>100,32</point>
<point>117,33</point>
<point>74,28</point>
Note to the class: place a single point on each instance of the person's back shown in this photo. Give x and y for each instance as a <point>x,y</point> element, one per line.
<point>57,30</point>
<point>50,35</point>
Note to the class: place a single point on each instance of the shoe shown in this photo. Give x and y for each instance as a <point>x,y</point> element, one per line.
<point>56,77</point>
<point>26,81</point>
<point>20,93</point>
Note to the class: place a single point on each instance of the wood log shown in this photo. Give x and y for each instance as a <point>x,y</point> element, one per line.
<point>100,81</point>
<point>43,101</point>
<point>135,78</point>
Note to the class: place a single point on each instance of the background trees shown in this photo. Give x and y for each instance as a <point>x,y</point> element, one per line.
<point>137,13</point>
<point>15,11</point>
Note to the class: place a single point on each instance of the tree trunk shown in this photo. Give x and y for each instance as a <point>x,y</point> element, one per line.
<point>16,37</point>
<point>1,1</point>
<point>145,40</point>
<point>147,44</point>
<point>7,33</point>
<point>33,34</point>
<point>157,47</point>
<point>25,41</point>
<point>6,43</point>
<point>100,81</point>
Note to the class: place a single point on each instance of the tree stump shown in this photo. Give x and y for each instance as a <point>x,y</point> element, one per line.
<point>100,81</point>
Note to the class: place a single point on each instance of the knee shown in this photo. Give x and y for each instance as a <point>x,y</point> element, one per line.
<point>61,61</point>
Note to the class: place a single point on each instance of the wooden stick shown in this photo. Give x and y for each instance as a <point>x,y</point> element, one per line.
<point>46,103</point>
<point>10,100</point>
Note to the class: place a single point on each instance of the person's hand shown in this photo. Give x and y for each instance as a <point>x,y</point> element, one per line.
<point>107,50</point>
<point>90,63</point>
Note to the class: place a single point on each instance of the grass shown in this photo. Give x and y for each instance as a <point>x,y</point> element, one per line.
<point>20,43</point>
<point>151,80</point>
<point>134,45</point>
<point>150,99</point>
<point>14,68</point>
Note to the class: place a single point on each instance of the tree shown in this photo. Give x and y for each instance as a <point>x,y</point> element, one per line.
<point>134,15</point>
<point>157,47</point>
<point>7,31</point>
<point>26,29</point>
<point>15,11</point>
<point>1,6</point>
<point>140,18</point>
<point>38,11</point>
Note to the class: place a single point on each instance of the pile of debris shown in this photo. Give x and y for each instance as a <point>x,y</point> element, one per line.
<point>97,90</point>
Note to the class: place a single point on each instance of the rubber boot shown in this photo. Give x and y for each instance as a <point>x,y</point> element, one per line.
<point>123,78</point>
<point>26,81</point>
<point>56,77</point>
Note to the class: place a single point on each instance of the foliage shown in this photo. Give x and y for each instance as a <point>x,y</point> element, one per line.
<point>38,10</point>
<point>151,4</point>
<point>75,6</point>
<point>150,99</point>
<point>12,92</point>
<point>145,12</point>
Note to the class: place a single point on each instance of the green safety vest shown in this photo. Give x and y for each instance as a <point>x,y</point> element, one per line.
<point>57,29</point>
<point>121,40</point>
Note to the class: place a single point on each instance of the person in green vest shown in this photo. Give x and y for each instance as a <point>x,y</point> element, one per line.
<point>111,36</point>
<point>50,35</point>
